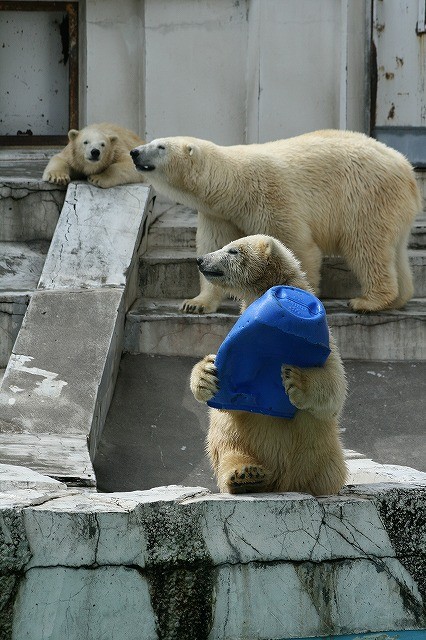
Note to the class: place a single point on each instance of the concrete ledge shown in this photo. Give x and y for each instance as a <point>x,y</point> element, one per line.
<point>180,563</point>
<point>29,208</point>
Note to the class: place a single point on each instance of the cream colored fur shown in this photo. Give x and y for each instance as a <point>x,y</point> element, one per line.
<point>323,193</point>
<point>254,452</point>
<point>114,165</point>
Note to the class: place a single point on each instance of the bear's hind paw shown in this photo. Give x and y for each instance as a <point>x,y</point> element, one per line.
<point>248,478</point>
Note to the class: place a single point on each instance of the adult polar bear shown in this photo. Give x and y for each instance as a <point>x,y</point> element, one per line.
<point>326,192</point>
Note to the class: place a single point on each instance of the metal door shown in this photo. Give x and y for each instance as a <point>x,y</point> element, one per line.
<point>398,97</point>
<point>38,71</point>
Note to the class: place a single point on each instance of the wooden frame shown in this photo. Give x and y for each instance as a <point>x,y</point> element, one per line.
<point>71,9</point>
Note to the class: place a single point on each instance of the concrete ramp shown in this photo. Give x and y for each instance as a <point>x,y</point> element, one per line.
<point>60,378</point>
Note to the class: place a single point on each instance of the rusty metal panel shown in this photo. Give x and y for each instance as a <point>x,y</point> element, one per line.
<point>39,98</point>
<point>401,64</point>
<point>398,96</point>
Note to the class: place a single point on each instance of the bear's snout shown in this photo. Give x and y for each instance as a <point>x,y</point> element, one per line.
<point>134,153</point>
<point>95,153</point>
<point>200,261</point>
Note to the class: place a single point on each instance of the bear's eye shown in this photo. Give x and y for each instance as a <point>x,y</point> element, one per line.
<point>161,146</point>
<point>86,142</point>
<point>233,251</point>
<point>102,144</point>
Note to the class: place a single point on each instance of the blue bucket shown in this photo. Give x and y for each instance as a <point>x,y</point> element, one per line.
<point>286,325</point>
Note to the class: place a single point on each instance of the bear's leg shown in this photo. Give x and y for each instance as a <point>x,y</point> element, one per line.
<point>375,268</point>
<point>403,269</point>
<point>212,234</point>
<point>58,171</point>
<point>316,462</point>
<point>121,172</point>
<point>311,259</point>
<point>238,472</point>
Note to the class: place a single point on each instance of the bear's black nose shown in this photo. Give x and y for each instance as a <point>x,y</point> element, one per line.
<point>95,153</point>
<point>134,153</point>
<point>200,260</point>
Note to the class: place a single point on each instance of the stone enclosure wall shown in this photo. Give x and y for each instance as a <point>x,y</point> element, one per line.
<point>181,563</point>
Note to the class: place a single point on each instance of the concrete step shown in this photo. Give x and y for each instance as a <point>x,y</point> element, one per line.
<point>29,207</point>
<point>176,226</point>
<point>156,326</point>
<point>173,273</point>
<point>21,264</point>
<point>418,234</point>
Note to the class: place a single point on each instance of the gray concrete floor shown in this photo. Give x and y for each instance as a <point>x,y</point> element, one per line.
<point>155,431</point>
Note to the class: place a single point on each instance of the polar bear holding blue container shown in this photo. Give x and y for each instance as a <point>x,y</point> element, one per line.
<point>274,421</point>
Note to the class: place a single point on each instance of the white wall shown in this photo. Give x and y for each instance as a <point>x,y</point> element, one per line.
<point>196,68</point>
<point>228,70</point>
<point>112,75</point>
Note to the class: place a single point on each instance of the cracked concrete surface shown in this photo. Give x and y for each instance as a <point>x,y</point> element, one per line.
<point>179,563</point>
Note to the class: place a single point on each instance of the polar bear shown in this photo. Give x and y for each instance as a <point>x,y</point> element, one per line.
<point>326,192</point>
<point>99,152</point>
<point>255,452</point>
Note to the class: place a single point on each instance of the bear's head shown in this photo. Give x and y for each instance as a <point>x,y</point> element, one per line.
<point>92,148</point>
<point>249,266</point>
<point>175,161</point>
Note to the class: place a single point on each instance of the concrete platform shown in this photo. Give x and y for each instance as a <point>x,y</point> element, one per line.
<point>155,430</point>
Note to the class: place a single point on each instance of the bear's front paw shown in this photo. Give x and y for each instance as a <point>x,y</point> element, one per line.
<point>248,478</point>
<point>204,382</point>
<point>56,178</point>
<point>198,305</point>
<point>102,181</point>
<point>294,381</point>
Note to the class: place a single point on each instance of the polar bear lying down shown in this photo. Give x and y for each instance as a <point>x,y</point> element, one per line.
<point>100,153</point>
<point>323,193</point>
<point>254,452</point>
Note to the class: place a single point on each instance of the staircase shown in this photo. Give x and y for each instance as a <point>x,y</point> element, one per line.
<point>29,211</point>
<point>168,274</point>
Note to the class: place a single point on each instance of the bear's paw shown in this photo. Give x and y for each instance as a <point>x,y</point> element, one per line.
<point>247,478</point>
<point>102,181</point>
<point>56,177</point>
<point>199,304</point>
<point>295,384</point>
<point>204,382</point>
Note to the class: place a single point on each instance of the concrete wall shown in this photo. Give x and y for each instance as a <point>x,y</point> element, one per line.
<point>179,563</point>
<point>232,71</point>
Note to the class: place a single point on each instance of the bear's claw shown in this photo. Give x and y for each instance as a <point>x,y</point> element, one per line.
<point>56,178</point>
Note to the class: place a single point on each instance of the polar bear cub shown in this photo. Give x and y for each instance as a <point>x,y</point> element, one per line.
<point>99,152</point>
<point>252,452</point>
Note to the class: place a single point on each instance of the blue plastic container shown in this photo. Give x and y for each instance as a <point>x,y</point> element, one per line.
<point>284,326</point>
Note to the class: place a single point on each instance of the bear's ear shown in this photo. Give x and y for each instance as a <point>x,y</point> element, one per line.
<point>191,149</point>
<point>72,134</point>
<point>113,139</point>
<point>266,246</point>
